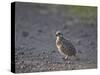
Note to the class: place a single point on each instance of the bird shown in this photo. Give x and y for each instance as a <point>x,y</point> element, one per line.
<point>65,47</point>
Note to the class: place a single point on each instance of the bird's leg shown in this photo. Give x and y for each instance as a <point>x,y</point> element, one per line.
<point>66,57</point>
<point>68,61</point>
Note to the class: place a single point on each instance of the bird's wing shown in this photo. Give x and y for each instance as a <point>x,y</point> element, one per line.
<point>67,44</point>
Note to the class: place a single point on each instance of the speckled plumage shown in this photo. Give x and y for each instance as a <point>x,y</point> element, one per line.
<point>65,47</point>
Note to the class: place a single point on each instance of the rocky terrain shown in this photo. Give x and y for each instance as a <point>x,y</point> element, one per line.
<point>35,28</point>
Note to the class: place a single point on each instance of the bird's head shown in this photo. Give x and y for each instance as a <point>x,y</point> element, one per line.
<point>59,34</point>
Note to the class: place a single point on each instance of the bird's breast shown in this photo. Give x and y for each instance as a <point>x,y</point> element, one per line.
<point>58,43</point>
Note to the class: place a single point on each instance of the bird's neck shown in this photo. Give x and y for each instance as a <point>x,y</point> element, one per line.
<point>59,37</point>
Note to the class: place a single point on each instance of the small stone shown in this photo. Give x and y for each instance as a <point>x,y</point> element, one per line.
<point>48,62</point>
<point>65,27</point>
<point>38,54</point>
<point>73,68</point>
<point>18,63</point>
<point>25,34</point>
<point>53,51</point>
<point>42,58</point>
<point>43,52</point>
<point>49,68</point>
<point>37,63</point>
<point>22,61</point>
<point>80,66</point>
<point>53,64</point>
<point>47,56</point>
<point>22,66</point>
<point>53,68</point>
<point>21,53</point>
<point>39,31</point>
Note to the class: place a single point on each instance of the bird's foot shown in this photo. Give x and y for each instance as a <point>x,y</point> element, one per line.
<point>67,61</point>
<point>65,58</point>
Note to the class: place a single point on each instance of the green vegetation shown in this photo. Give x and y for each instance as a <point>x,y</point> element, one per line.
<point>84,12</point>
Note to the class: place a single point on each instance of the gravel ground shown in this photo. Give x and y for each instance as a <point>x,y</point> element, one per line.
<point>36,25</point>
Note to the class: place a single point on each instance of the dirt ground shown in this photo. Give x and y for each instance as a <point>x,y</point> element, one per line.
<point>35,28</point>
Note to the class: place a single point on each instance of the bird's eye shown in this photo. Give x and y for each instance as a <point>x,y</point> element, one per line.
<point>59,33</point>
<point>56,35</point>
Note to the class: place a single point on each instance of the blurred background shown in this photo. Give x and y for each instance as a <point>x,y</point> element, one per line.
<point>35,28</point>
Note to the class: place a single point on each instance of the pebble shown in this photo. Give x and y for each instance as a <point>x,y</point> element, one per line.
<point>25,34</point>
<point>79,66</point>
<point>47,56</point>
<point>42,58</point>
<point>53,68</point>
<point>22,66</point>
<point>49,69</point>
<point>73,68</point>
<point>53,51</point>
<point>43,52</point>
<point>65,27</point>
<point>39,30</point>
<point>22,61</point>
<point>48,62</point>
